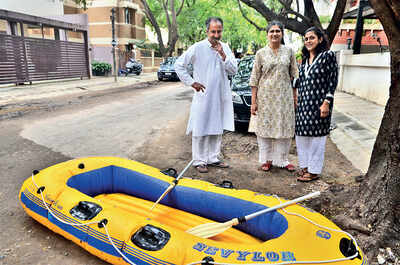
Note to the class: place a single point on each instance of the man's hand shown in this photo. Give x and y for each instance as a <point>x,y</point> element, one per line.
<point>198,87</point>
<point>216,45</point>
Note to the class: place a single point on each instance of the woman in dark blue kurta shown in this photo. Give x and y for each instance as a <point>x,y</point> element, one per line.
<point>315,87</point>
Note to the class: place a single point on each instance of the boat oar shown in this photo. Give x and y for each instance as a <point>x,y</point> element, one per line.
<point>212,229</point>
<point>172,185</point>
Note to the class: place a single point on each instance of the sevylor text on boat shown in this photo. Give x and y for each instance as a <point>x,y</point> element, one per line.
<point>103,204</point>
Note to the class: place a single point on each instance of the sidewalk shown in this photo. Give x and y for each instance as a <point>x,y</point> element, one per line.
<point>357,122</point>
<point>53,88</point>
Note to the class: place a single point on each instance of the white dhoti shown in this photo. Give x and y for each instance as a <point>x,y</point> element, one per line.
<point>205,149</point>
<point>275,150</point>
<point>311,153</point>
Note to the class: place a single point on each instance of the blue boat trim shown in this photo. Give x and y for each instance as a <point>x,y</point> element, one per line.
<point>114,179</point>
<point>93,238</point>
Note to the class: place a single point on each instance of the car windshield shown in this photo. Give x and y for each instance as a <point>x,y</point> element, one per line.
<point>170,60</point>
<point>241,80</point>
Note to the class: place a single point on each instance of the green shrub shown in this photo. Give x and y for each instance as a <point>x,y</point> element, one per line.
<point>101,67</point>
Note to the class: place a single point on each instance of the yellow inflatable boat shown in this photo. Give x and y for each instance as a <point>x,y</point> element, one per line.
<point>102,204</point>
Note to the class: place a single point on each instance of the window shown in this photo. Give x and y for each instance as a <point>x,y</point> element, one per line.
<point>15,28</point>
<point>48,33</point>
<point>4,27</point>
<point>128,16</point>
<point>33,31</point>
<point>61,35</point>
<point>75,36</point>
<point>10,27</point>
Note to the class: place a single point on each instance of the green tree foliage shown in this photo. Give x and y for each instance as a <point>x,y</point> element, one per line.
<point>238,33</point>
<point>297,16</point>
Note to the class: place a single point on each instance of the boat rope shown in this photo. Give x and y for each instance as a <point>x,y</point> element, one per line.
<point>40,191</point>
<point>122,255</point>
<point>294,262</point>
<point>100,223</point>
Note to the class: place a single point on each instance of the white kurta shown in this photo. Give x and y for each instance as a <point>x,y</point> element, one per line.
<point>212,110</point>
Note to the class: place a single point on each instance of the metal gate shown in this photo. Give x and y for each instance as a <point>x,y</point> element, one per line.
<point>27,59</point>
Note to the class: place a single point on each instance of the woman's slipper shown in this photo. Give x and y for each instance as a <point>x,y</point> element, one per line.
<point>290,168</point>
<point>219,164</point>
<point>266,166</point>
<point>307,177</point>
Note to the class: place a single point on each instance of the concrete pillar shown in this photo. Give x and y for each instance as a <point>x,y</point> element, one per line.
<point>342,65</point>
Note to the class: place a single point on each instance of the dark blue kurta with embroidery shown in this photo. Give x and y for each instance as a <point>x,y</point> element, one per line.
<point>316,83</point>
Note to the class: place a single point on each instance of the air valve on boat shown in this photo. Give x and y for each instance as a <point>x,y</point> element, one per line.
<point>170,172</point>
<point>151,238</point>
<point>226,184</point>
<point>348,248</point>
<point>85,210</point>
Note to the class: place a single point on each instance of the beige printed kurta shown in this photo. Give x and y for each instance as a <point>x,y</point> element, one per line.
<point>272,75</point>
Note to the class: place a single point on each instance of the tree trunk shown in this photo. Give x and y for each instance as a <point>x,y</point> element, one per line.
<point>336,20</point>
<point>171,23</point>
<point>378,203</point>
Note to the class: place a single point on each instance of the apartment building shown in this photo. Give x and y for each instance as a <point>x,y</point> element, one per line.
<point>373,38</point>
<point>40,8</point>
<point>129,26</point>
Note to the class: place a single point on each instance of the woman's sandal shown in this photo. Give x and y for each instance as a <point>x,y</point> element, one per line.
<point>290,168</point>
<point>307,177</point>
<point>266,166</point>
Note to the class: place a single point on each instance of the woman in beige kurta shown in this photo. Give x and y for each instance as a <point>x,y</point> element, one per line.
<point>273,99</point>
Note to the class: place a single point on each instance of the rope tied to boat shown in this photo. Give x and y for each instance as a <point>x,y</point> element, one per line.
<point>101,224</point>
<point>207,260</point>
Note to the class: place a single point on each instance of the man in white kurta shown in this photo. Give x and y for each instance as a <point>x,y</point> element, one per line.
<point>212,109</point>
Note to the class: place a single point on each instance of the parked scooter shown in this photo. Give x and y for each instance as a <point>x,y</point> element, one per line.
<point>132,67</point>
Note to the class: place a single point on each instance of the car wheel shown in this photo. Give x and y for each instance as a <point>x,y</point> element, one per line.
<point>160,78</point>
<point>138,73</point>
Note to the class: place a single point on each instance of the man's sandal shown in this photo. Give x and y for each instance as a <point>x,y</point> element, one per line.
<point>301,172</point>
<point>219,164</point>
<point>307,177</point>
<point>202,168</point>
<point>266,166</point>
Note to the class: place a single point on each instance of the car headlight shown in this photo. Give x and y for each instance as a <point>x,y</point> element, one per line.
<point>236,98</point>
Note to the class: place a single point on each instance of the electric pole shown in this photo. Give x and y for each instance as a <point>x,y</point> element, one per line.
<point>113,42</point>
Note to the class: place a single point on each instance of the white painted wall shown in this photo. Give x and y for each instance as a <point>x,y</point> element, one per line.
<point>34,7</point>
<point>365,75</point>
